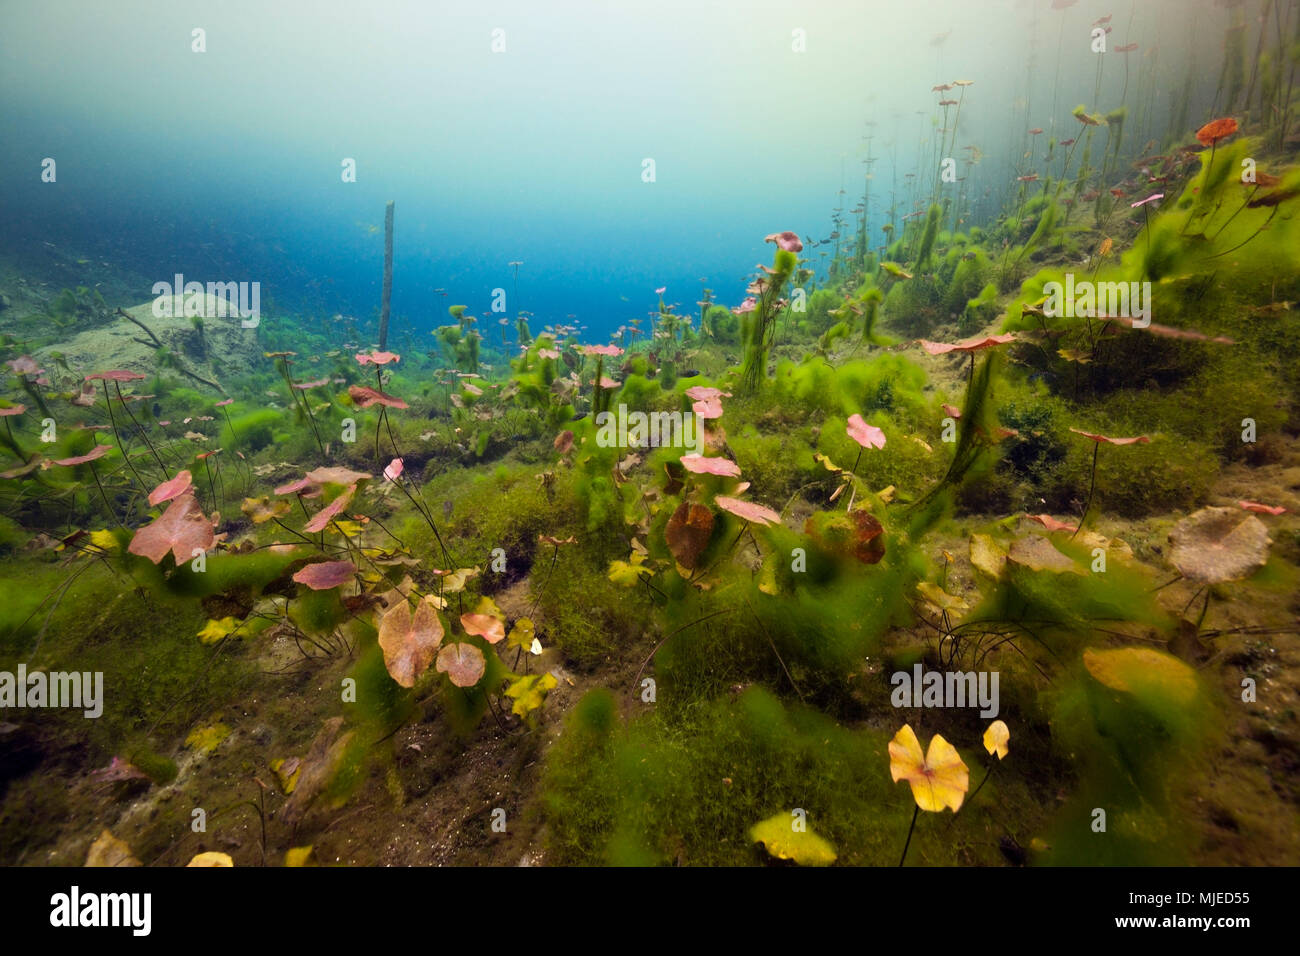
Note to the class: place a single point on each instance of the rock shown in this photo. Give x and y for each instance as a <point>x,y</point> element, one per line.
<point>223,350</point>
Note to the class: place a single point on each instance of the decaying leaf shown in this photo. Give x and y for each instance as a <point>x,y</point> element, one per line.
<point>207,739</point>
<point>108,850</point>
<point>455,581</point>
<point>939,778</point>
<point>996,737</point>
<point>409,642</point>
<point>265,508</point>
<point>522,634</point>
<point>318,768</point>
<point>529,692</point>
<point>940,598</point>
<point>298,856</point>
<point>463,663</point>
<point>688,532</point>
<point>1143,671</point>
<point>182,529</point>
<point>859,533</point>
<point>216,629</point>
<point>1219,544</point>
<point>286,771</point>
<point>628,573</point>
<point>1036,553</point>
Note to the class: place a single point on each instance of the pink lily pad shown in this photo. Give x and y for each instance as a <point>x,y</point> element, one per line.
<point>172,489</point>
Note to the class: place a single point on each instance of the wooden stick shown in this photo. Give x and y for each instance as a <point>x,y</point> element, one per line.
<point>388,274</point>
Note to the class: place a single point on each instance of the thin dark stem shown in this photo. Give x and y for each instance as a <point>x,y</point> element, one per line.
<point>915,811</point>
<point>108,401</point>
<point>212,490</point>
<point>105,497</point>
<point>143,434</point>
<point>537,597</point>
<point>987,770</point>
<point>1092,484</point>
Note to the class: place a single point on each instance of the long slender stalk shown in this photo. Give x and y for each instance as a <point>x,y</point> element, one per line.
<point>107,505</point>
<point>1092,484</point>
<point>126,456</point>
<point>916,810</point>
<point>143,433</point>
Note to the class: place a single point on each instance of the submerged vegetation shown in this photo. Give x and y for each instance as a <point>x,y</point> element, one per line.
<point>424,587</point>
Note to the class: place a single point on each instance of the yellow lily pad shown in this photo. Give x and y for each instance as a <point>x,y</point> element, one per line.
<point>987,555</point>
<point>108,850</point>
<point>1143,672</point>
<point>782,841</point>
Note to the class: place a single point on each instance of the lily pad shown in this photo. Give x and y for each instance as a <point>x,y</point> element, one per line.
<point>108,850</point>
<point>782,841</point>
<point>987,555</point>
<point>688,533</point>
<point>1143,672</point>
<point>1219,544</point>
<point>1036,553</point>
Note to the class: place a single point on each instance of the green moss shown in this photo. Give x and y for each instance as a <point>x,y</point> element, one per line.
<point>592,619</point>
<point>685,790</point>
<point>161,770</point>
<point>252,431</point>
<point>158,677</point>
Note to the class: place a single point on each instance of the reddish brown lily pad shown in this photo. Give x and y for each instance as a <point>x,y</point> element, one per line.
<point>324,575</point>
<point>688,533</point>
<point>182,529</point>
<point>172,488</point>
<point>858,533</point>
<point>409,642</point>
<point>463,663</point>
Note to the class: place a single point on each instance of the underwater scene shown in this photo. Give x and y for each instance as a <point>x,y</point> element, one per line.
<point>760,434</point>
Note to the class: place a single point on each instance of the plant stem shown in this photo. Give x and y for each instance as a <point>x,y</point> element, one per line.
<point>105,496</point>
<point>987,770</point>
<point>108,401</point>
<point>143,434</point>
<point>916,810</point>
<point>1092,484</point>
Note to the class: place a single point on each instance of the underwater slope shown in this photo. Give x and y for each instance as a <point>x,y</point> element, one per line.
<point>964,535</point>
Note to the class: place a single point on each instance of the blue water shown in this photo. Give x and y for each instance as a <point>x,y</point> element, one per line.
<point>225,165</point>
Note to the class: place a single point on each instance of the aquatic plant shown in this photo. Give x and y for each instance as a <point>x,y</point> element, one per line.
<point>758,320</point>
<point>1097,441</point>
<point>938,777</point>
